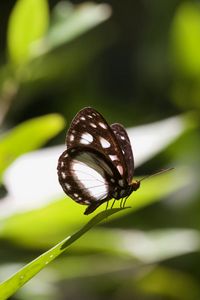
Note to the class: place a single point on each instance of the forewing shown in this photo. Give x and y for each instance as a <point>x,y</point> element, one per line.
<point>89,128</point>
<point>125,146</point>
<point>86,175</point>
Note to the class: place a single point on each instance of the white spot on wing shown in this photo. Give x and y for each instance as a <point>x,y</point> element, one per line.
<point>121,182</point>
<point>71,138</point>
<point>63,175</point>
<point>104,143</point>
<point>93,125</point>
<point>86,201</point>
<point>122,137</point>
<point>113,157</point>
<point>83,118</point>
<point>102,125</point>
<point>120,169</point>
<point>68,186</point>
<point>86,138</point>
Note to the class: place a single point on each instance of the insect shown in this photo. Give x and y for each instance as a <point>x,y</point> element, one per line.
<point>98,164</point>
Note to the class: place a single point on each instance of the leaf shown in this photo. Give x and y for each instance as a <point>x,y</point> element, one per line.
<point>28,136</point>
<point>59,218</point>
<point>121,255</point>
<point>27,23</point>
<point>70,21</point>
<point>166,283</point>
<point>113,249</point>
<point>185,38</point>
<point>10,286</point>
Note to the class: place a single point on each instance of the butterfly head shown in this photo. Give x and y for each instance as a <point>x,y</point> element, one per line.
<point>135,184</point>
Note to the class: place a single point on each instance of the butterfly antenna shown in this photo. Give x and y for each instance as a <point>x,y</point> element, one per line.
<point>156,173</point>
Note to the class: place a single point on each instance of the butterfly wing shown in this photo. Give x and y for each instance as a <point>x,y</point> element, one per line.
<point>126,149</point>
<point>87,176</point>
<point>89,128</point>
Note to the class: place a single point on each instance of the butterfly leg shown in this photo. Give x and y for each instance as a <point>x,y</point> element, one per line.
<point>107,205</point>
<point>113,204</point>
<point>125,201</point>
<point>121,203</point>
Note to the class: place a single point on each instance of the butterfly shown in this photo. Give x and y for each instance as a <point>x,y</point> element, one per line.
<point>98,164</point>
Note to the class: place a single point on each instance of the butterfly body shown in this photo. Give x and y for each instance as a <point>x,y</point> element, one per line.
<point>98,163</point>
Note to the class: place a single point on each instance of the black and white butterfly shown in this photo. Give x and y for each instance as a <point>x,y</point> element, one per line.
<point>98,164</point>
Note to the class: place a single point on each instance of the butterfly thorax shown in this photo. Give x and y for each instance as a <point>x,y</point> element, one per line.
<point>126,190</point>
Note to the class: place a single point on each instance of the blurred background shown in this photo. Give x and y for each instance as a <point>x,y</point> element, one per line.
<point>138,63</point>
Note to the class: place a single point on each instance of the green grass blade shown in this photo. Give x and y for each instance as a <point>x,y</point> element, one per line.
<point>11,285</point>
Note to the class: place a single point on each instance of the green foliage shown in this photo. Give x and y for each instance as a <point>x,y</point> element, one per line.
<point>10,286</point>
<point>55,220</point>
<point>140,67</point>
<point>28,22</point>
<point>69,22</point>
<point>185,45</point>
<point>27,29</point>
<point>28,136</point>
<point>186,39</point>
<point>162,281</point>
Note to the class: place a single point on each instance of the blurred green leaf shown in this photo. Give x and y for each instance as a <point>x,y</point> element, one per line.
<point>128,244</point>
<point>10,286</point>
<point>60,218</point>
<point>66,64</point>
<point>136,248</point>
<point>185,34</point>
<point>70,21</point>
<point>27,23</point>
<point>28,136</point>
<point>166,282</point>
